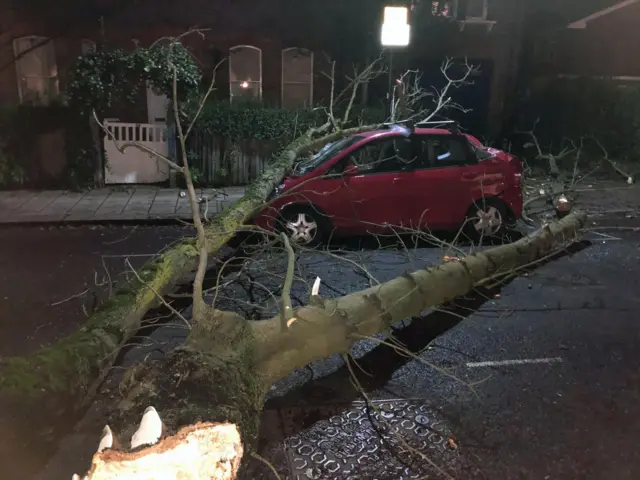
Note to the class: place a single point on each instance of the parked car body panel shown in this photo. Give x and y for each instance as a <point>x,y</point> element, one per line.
<point>432,179</point>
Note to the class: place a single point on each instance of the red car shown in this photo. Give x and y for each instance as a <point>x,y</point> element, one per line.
<point>398,178</point>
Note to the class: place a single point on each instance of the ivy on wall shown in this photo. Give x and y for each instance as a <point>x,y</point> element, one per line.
<point>106,78</point>
<point>256,121</point>
<point>101,79</point>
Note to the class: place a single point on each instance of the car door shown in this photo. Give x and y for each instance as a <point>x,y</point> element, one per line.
<point>376,190</point>
<point>442,186</point>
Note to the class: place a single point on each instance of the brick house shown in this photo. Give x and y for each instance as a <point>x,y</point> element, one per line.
<point>487,33</point>
<point>600,44</point>
<point>275,48</point>
<point>264,44</point>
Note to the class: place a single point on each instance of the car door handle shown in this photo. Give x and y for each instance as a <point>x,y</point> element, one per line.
<point>397,179</point>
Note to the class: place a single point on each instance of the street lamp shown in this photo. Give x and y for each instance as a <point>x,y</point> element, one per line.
<point>395,32</point>
<point>395,27</point>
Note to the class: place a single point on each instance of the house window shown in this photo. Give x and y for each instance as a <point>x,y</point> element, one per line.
<point>87,46</point>
<point>245,72</point>
<point>477,9</point>
<point>470,9</point>
<point>36,69</point>
<point>297,77</point>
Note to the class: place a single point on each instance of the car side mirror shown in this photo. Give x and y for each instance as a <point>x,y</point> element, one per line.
<point>350,171</point>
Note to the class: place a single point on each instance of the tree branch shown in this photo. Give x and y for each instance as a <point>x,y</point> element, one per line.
<point>337,326</point>
<point>286,308</point>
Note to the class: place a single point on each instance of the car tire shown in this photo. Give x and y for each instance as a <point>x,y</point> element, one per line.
<point>486,219</point>
<point>304,226</point>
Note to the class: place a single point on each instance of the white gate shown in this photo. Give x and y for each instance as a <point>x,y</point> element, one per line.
<point>135,165</point>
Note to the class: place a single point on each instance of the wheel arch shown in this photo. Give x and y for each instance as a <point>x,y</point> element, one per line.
<point>511,216</point>
<point>303,206</point>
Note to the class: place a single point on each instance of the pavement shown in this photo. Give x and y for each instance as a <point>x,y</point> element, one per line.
<point>149,203</point>
<point>536,379</point>
<point>136,203</point>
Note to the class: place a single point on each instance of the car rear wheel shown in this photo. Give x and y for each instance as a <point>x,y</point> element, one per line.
<point>304,226</point>
<point>486,219</point>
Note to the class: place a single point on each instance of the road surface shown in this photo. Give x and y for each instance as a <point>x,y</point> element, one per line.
<point>536,380</point>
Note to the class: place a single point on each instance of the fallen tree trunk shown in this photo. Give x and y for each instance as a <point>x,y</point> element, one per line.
<point>210,391</point>
<point>73,363</point>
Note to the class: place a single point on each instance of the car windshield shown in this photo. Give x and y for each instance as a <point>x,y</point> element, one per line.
<point>326,153</point>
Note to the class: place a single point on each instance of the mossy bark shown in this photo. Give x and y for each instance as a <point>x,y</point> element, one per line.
<point>211,378</point>
<point>209,383</point>
<point>72,364</point>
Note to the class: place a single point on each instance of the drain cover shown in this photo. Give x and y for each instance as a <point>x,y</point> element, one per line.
<point>390,439</point>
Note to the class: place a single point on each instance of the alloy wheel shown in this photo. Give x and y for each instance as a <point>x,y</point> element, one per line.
<point>487,221</point>
<point>302,229</point>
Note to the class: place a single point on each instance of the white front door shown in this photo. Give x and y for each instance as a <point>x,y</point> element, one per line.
<point>156,107</point>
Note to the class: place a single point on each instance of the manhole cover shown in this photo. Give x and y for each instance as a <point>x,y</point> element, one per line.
<point>357,443</point>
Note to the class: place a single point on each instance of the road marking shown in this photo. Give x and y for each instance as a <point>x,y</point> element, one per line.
<point>523,361</point>
<point>605,236</point>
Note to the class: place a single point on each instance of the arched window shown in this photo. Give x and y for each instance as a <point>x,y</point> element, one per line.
<point>87,46</point>
<point>297,77</point>
<point>245,72</point>
<point>36,69</point>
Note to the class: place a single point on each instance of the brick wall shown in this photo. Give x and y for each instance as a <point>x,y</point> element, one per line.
<point>607,47</point>
<point>264,25</point>
<point>498,46</point>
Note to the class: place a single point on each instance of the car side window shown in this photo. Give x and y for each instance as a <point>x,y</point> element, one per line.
<point>445,151</point>
<point>338,168</point>
<point>384,156</point>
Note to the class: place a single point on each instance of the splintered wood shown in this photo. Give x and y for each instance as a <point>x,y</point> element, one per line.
<point>197,452</point>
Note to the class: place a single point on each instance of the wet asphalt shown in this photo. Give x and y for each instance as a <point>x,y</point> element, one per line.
<point>576,415</point>
<point>573,415</point>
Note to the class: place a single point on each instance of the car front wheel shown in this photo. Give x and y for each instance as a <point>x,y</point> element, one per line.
<point>304,226</point>
<point>486,219</point>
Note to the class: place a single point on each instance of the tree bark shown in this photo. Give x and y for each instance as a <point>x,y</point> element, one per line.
<point>209,395</point>
<point>221,373</point>
<point>72,364</point>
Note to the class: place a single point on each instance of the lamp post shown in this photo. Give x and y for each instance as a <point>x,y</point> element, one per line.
<point>395,32</point>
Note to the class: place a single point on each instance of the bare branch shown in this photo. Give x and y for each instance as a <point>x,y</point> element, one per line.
<point>205,98</point>
<point>164,302</point>
<point>199,305</point>
<point>408,96</point>
<point>192,31</point>
<point>613,163</point>
<point>287,309</point>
